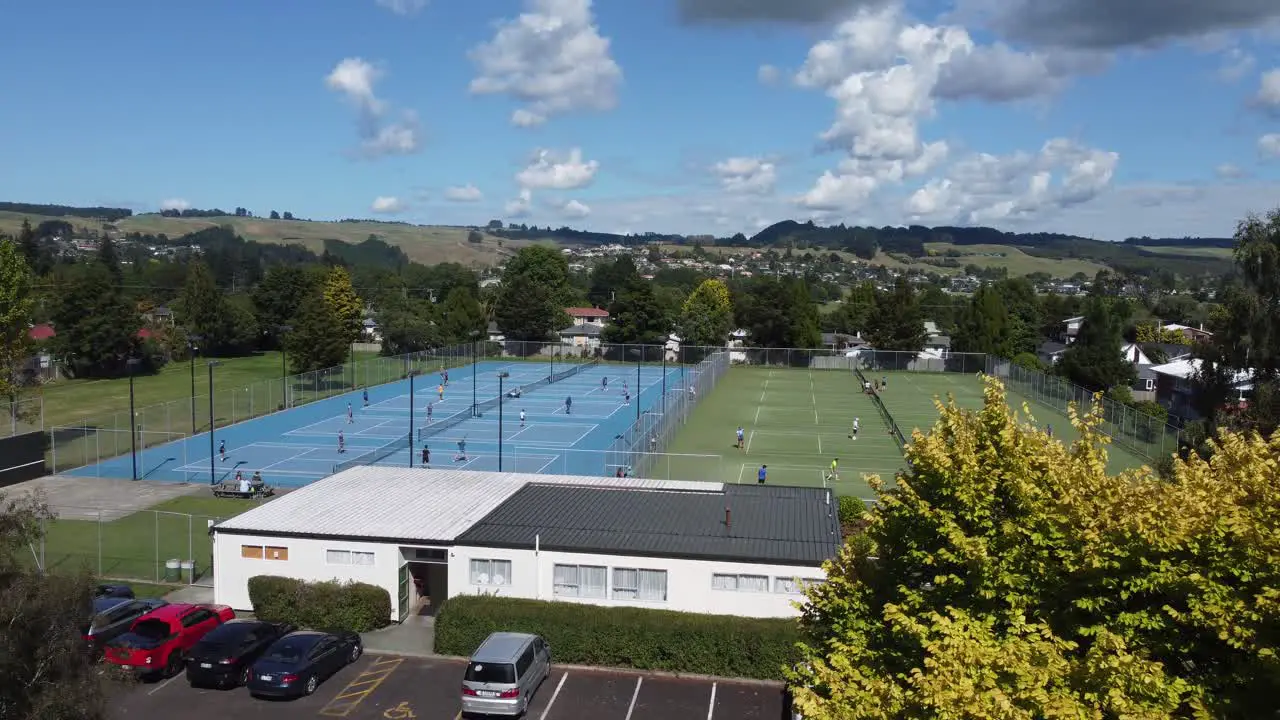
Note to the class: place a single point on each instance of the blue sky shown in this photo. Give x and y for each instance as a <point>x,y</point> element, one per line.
<point>694,116</point>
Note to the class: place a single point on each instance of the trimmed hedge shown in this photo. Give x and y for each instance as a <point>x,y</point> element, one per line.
<point>626,637</point>
<point>358,607</point>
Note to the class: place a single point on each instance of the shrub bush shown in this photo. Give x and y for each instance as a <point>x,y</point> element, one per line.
<point>358,607</point>
<point>638,638</point>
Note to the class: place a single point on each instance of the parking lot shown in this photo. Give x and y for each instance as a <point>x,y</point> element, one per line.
<point>394,688</point>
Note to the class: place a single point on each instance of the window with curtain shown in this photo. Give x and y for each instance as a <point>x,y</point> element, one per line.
<point>348,557</point>
<point>743,583</point>
<point>794,586</point>
<point>585,581</point>
<point>490,572</point>
<point>637,584</point>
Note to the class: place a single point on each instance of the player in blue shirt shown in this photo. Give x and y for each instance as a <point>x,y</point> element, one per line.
<point>568,405</point>
<point>760,476</point>
<point>604,383</point>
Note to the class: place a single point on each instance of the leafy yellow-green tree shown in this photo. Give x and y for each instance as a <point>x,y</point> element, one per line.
<point>1008,576</point>
<point>1153,333</point>
<point>343,302</point>
<point>707,315</point>
<point>15,313</point>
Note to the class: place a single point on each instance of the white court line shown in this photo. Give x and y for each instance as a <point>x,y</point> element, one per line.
<point>814,396</point>
<point>631,708</point>
<point>819,436</point>
<point>162,686</point>
<point>554,695</point>
<point>750,435</point>
<point>711,708</point>
<point>289,459</point>
<point>741,471</point>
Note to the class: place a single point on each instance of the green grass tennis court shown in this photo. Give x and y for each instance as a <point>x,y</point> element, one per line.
<point>798,420</point>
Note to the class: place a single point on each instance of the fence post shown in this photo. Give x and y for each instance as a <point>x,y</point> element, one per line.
<point>98,515</point>
<point>155,569</point>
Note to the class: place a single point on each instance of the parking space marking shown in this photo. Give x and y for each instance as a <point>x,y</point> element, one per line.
<point>632,707</point>
<point>161,686</point>
<point>399,712</point>
<point>554,695</point>
<point>368,681</point>
<point>711,709</point>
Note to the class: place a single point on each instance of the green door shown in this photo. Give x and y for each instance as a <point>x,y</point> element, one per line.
<point>404,591</point>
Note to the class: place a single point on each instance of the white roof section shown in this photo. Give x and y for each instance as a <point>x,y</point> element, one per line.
<point>1188,367</point>
<point>410,503</point>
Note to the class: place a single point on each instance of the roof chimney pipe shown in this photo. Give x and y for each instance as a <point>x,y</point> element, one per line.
<point>728,518</point>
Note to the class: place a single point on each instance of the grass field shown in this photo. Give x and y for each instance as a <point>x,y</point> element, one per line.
<point>1018,262</point>
<point>427,244</point>
<point>1212,252</point>
<point>137,546</point>
<point>796,422</point>
<point>69,401</point>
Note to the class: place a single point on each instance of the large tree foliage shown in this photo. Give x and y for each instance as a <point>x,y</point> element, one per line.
<point>1008,576</point>
<point>1094,361</point>
<point>318,340</point>
<point>608,279</point>
<point>535,290</point>
<point>15,314</point>
<point>1246,331</point>
<point>408,325</point>
<point>462,318</point>
<point>853,315</point>
<point>45,673</point>
<point>777,313</point>
<point>97,326</point>
<point>225,326</point>
<point>706,319</point>
<point>344,304</point>
<point>636,317</point>
<point>277,298</point>
<point>898,321</point>
<point>984,325</point>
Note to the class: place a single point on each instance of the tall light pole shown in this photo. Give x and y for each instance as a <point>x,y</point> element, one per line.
<point>639,389</point>
<point>501,376</point>
<point>412,373</point>
<point>475,370</point>
<point>212,461</point>
<point>132,363</point>
<point>281,331</point>
<point>191,351</point>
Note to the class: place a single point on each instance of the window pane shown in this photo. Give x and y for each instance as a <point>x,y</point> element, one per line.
<point>784,585</point>
<point>501,572</point>
<point>564,579</point>
<point>653,585</point>
<point>724,582</point>
<point>753,583</point>
<point>625,579</point>
<point>362,558</point>
<point>479,572</point>
<point>592,581</point>
<point>337,557</point>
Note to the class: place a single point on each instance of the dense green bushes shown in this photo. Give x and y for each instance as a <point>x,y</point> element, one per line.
<point>358,607</point>
<point>625,637</point>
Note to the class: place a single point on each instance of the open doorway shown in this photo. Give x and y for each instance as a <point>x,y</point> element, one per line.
<point>429,587</point>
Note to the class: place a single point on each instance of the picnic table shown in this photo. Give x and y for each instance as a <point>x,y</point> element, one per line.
<point>232,489</point>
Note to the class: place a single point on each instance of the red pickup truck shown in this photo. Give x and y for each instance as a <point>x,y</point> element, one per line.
<point>157,642</point>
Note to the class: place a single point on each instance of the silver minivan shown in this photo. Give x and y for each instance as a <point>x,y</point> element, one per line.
<point>504,673</point>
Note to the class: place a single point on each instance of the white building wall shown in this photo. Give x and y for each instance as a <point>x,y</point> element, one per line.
<point>689,582</point>
<point>307,560</point>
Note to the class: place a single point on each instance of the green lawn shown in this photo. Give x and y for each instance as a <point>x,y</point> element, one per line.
<point>136,547</point>
<point>796,423</point>
<point>909,399</point>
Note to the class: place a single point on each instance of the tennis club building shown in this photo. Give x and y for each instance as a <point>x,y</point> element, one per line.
<point>427,535</point>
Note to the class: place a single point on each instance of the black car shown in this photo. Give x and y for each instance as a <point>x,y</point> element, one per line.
<point>112,617</point>
<point>224,656</point>
<point>108,590</point>
<point>297,663</point>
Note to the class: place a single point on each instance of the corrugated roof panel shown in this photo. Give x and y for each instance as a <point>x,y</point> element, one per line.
<point>409,503</point>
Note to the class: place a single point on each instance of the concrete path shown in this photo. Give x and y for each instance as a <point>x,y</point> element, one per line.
<point>78,498</point>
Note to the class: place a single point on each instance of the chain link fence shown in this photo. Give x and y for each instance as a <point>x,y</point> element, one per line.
<point>23,416</point>
<point>148,546</point>
<point>1148,436</point>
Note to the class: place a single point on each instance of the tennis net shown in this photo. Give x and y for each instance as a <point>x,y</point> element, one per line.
<point>373,456</point>
<point>492,402</point>
<point>898,437</point>
<point>438,426</point>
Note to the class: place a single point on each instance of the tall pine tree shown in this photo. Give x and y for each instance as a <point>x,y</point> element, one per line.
<point>1094,360</point>
<point>898,321</point>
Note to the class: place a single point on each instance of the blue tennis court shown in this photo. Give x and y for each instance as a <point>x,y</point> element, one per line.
<point>297,446</point>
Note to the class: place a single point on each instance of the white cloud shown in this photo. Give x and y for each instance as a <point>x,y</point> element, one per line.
<point>549,170</point>
<point>1236,63</point>
<point>768,75</point>
<point>463,193</point>
<point>1269,91</point>
<point>746,175</point>
<point>355,79</point>
<point>833,193</point>
<point>403,7</point>
<point>521,206</point>
<point>175,204</point>
<point>1269,145</point>
<point>388,205</point>
<point>1228,171</point>
<point>552,59</point>
<point>575,210</point>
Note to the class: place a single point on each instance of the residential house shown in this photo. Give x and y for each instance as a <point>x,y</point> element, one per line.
<point>584,336</point>
<point>1193,335</point>
<point>737,341</point>
<point>39,367</point>
<point>1069,329</point>
<point>495,335</point>
<point>1176,387</point>
<point>1144,357</point>
<point>1050,352</point>
<point>158,316</point>
<point>588,316</point>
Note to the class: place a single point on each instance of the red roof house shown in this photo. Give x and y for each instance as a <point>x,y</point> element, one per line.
<point>43,331</point>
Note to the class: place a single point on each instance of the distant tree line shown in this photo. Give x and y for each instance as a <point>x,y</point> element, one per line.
<point>93,213</point>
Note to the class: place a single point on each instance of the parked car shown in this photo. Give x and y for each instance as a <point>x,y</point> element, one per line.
<point>225,656</point>
<point>504,673</point>
<point>157,643</point>
<point>111,590</point>
<point>297,663</point>
<point>112,617</point>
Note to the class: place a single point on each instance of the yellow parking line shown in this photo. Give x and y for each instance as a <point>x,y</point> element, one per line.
<point>349,698</point>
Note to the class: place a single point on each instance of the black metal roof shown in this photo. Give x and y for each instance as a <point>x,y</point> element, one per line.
<point>768,524</point>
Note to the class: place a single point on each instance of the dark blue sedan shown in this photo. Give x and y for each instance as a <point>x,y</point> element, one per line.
<point>297,663</point>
